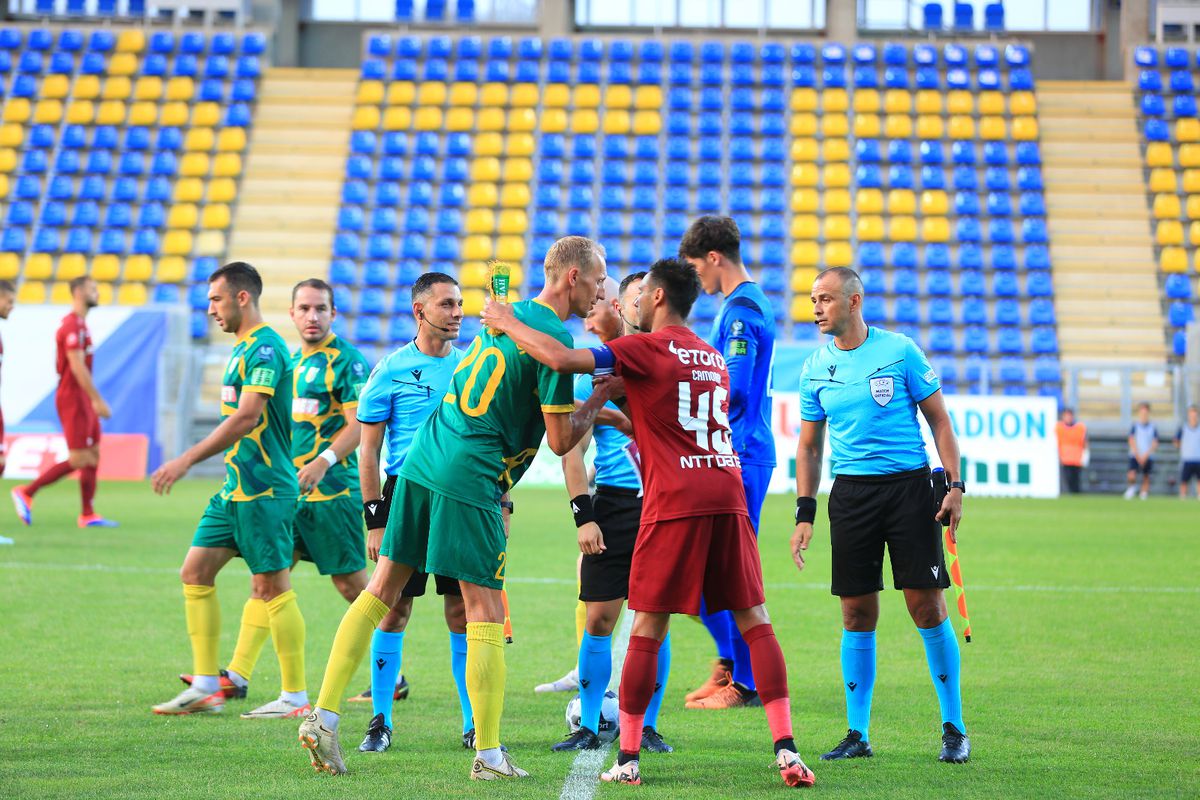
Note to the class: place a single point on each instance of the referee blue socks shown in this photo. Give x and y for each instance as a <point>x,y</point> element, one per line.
<point>386,649</point>
<point>858,678</point>
<point>595,671</point>
<point>660,683</point>
<point>941,651</point>
<point>458,666</point>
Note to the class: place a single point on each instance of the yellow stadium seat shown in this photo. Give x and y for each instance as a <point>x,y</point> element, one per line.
<point>962,127</point>
<point>488,144</point>
<point>464,94</point>
<point>960,102</point>
<point>131,294</point>
<point>180,90</point>
<point>805,174</point>
<point>8,160</point>
<point>477,248</point>
<point>39,267</point>
<point>835,150</point>
<point>1174,259</point>
<point>431,93</point>
<point>835,176</point>
<point>104,293</point>
<point>518,170</point>
<point>71,266</point>
<point>1193,233</point>
<point>837,201</point>
<point>207,115</point>
<point>486,170</point>
<point>222,190</point>
<point>902,229</point>
<point>836,126</point>
<point>122,64</point>
<point>805,150</point>
<point>1191,181</point>
<point>1189,155</point>
<point>1022,104</point>
<point>834,101</point>
<point>106,268</point>
<point>586,96</point>
<point>174,115</point>
<point>806,227</point>
<point>199,139</point>
<point>49,112</point>
<point>494,95</point>
<point>648,98</point>
<point>514,195</point>
<point>227,165</point>
<point>616,122</point>
<point>993,128</point>
<point>460,119</point>
<point>194,165</point>
<point>1163,179</point>
<point>991,103</point>
<point>32,292</point>
<point>474,275</point>
<point>473,299</point>
<point>522,119</point>
<point>401,93</point>
<point>805,200</point>
<point>144,114</point>
<point>1025,129</point>
<point>490,119</point>
<point>618,95</point>
<point>803,125</point>
<point>524,95</point>
<point>554,120</point>
<point>172,269</point>
<point>868,201</point>
<point>370,93</point>
<point>131,41</point>
<point>929,101</point>
<point>1158,154</point>
<point>513,221</point>
<point>802,308</point>
<point>647,123</point>
<point>867,126</point>
<point>397,118</point>
<point>520,145</point>
<point>480,220</point>
<point>183,215</point>
<point>806,254</point>
<point>188,190</point>
<point>60,293</point>
<point>935,229</point>
<point>3,185</point>
<point>483,193</point>
<point>118,88</point>
<point>838,254</point>
<point>111,112</point>
<point>137,268</point>
<point>802,280</point>
<point>210,243</point>
<point>836,227</point>
<point>1193,206</point>
<point>231,140</point>
<point>934,203</point>
<point>1168,232</point>
<point>556,95</point>
<point>177,243</point>
<point>584,121</point>
<point>897,101</point>
<point>12,135</point>
<point>10,266</point>
<point>866,101</point>
<point>804,100</point>
<point>54,87</point>
<point>87,87</point>
<point>901,201</point>
<point>897,126</point>
<point>1187,129</point>
<point>869,228</point>
<point>17,109</point>
<point>148,87</point>
<point>1167,206</point>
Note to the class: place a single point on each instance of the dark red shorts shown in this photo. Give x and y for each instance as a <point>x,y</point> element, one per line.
<point>81,426</point>
<point>678,561</point>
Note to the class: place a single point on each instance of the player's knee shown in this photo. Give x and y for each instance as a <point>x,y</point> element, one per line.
<point>396,620</point>
<point>859,619</point>
<point>748,618</point>
<point>348,587</point>
<point>269,585</point>
<point>456,614</point>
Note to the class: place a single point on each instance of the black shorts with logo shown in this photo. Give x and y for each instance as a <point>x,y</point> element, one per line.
<point>867,512</point>
<point>606,576</point>
<point>417,583</point>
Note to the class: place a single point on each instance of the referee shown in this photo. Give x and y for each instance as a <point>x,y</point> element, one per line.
<point>866,386</point>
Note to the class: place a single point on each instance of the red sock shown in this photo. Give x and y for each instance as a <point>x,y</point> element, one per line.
<point>637,687</point>
<point>770,673</point>
<point>55,473</point>
<point>87,488</point>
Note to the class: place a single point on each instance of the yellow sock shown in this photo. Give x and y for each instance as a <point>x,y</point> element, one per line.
<point>204,626</point>
<point>580,621</point>
<point>256,627</point>
<point>350,644</point>
<point>287,631</point>
<point>485,680</point>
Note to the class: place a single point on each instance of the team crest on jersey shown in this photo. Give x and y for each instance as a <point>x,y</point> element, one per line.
<point>265,353</point>
<point>882,390</point>
<point>737,327</point>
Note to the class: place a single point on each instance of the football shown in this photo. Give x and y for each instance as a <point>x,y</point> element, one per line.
<point>608,714</point>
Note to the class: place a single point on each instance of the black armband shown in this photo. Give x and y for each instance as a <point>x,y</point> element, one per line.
<point>581,507</point>
<point>507,505</point>
<point>375,514</point>
<point>806,509</point>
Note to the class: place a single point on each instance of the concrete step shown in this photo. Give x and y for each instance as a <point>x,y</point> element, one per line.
<point>296,241</point>
<point>265,212</point>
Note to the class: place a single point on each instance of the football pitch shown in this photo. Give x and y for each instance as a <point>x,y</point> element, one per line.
<point>1081,680</point>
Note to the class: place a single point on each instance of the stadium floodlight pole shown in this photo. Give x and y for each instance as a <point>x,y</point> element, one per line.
<point>940,488</point>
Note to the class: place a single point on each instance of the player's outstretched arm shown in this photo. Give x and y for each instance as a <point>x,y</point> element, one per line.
<point>232,428</point>
<point>591,539</point>
<point>934,410</point>
<point>542,346</point>
<point>369,450</point>
<point>564,431</point>
<point>808,477</point>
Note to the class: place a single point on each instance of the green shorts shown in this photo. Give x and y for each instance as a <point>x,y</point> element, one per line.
<point>330,534</point>
<point>442,536</point>
<point>259,530</point>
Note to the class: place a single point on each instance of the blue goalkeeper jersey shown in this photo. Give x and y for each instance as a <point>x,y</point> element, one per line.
<point>744,332</point>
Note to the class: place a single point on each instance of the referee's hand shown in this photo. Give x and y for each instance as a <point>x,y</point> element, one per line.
<point>951,513</point>
<point>591,540</point>
<point>800,540</point>
<point>374,541</point>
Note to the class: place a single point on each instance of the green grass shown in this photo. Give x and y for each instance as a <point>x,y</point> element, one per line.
<point>1081,681</point>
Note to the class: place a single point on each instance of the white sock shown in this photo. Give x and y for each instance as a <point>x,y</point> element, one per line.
<point>295,698</point>
<point>206,683</point>
<point>237,680</point>
<point>492,756</point>
<point>329,719</point>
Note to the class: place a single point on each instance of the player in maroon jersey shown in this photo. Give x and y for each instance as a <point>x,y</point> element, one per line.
<point>80,408</point>
<point>695,539</point>
<point>8,297</point>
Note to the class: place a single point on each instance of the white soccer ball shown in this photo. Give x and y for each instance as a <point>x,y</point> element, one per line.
<point>609,714</point>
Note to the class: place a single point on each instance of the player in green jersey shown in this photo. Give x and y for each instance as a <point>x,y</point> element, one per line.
<point>446,516</point>
<point>251,516</point>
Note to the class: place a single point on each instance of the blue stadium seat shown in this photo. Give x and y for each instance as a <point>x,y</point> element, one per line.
<point>145,242</point>
<point>1179,314</point>
<point>900,176</point>
<point>152,215</point>
<point>112,242</point>
<point>963,153</point>
<point>940,311</point>
<point>965,179</point>
<point>676,198</point>
<point>1183,105</point>
<point>545,223</point>
<point>1039,284</point>
<point>416,220</point>
<point>740,174</point>
<point>869,176</point>
<point>1033,231</point>
<point>34,162</point>
<point>1043,341</point>
<point>675,225</point>
<point>741,200</point>
<point>79,240</point>
<point>1177,287</point>
<point>75,136</point>
<point>865,78</point>
<point>708,200</point>
<point>1004,257</point>
<point>613,198</point>
<point>904,281</point>
<point>931,178</point>
<point>904,255</point>
<point>907,310</point>
<point>941,339</point>
<point>975,339</point>
<point>645,198</point>
<point>86,215</point>
<point>1005,285</point>
<point>1182,83</point>
<point>54,214</point>
<point>867,151</point>
<point>1041,311</point>
<point>871,254</point>
<point>971,283</point>
<point>1028,154</point>
<point>1012,370</point>
<point>874,310</point>
<point>873,282</point>
<point>583,172</point>
<point>579,223</point>
<point>966,204</point>
<point>999,204</point>
<point>1047,370</point>
<point>580,197</point>
<point>996,179</point>
<point>970,256</point>
<point>612,225</point>
<point>616,147</point>
<point>1020,80</point>
<point>928,78</point>
<point>343,272</point>
<point>1000,231</point>
<point>833,77</point>
<point>67,162</point>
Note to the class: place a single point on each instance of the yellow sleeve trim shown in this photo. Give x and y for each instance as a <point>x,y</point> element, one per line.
<point>352,404</point>
<point>563,409</point>
<point>267,390</point>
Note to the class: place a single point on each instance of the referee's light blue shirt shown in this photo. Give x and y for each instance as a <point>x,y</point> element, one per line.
<point>868,399</point>
<point>617,462</point>
<point>402,391</point>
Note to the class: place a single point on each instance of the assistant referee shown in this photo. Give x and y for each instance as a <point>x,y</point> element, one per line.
<point>865,386</point>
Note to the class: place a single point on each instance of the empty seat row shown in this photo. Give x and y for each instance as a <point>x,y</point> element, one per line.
<point>118,113</point>
<point>145,88</point>
<point>126,64</point>
<point>911,310</point>
<point>144,241</point>
<point>133,41</point>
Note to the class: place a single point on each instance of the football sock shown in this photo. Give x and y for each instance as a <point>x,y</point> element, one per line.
<point>768,664</point>
<point>743,672</point>
<point>637,686</point>
<point>256,628</point>
<point>458,666</point>
<point>858,677</point>
<point>941,651</point>
<point>486,672</point>
<point>660,684</point>
<point>492,756</point>
<point>595,670</point>
<point>387,653</point>
<point>580,621</point>
<point>718,625</point>
<point>55,473</point>
<point>209,684</point>
<point>87,489</point>
<point>287,632</point>
<point>204,628</point>
<point>350,644</point>
<point>329,719</point>
<point>295,698</point>
<point>235,678</point>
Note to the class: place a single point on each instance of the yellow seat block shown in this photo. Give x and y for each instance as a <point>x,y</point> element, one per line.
<point>8,160</point>
<point>837,125</point>
<point>227,165</point>
<point>3,185</point>
<point>122,64</point>
<point>992,129</point>
<point>395,118</point>
<point>805,175</point>
<point>176,243</point>
<point>10,266</point>
<point>962,127</point>
<point>802,309</point>
<point>483,193</point>
<point>515,195</point>
<point>488,144</point>
<point>803,124</point>
<point>806,254</point>
<point>585,121</point>
<point>474,275</point>
<point>934,203</point>
<point>131,294</point>
<point>617,122</point>
<point>1187,129</point>
<point>1158,154</point>
<point>210,243</point>
<point>1193,233</point>
<point>49,112</point>
<point>897,126</point>
<point>87,87</point>
<point>1167,206</point>
<point>60,293</point>
<point>805,200</point>
<point>118,88</point>
<point>520,145</point>
<point>835,101</point>
<point>1169,232</point>
<point>836,176</point>
<point>401,93</point>
<point>199,139</point>
<point>137,268</point>
<point>478,248</point>
<point>111,112</point>
<point>494,95</point>
<point>1164,179</point>
<point>144,114</point>
<point>867,126</point>
<point>806,227</point>
<point>869,228</point>
<point>464,94</point>
<point>1025,129</point>
<point>991,103</point>
<point>868,201</point>
<point>556,95</point>
<point>522,119</point>
<point>835,150</point>
<point>222,190</point>
<point>1189,155</point>
<point>473,299</point>
<point>490,119</point>
<point>837,201</point>
<point>1191,181</point>
<point>901,201</point>
<point>1193,206</point>
<point>148,87</point>
<point>71,266</point>
<point>1174,259</point>
<point>513,221</point>
<point>480,220</point>
<point>960,101</point>
<point>524,95</point>
<point>12,135</point>
<point>174,115</point>
<point>836,227</point>
<point>32,292</point>
<point>131,41</point>
<point>231,140</point>
<point>618,95</point>
<point>431,93</point>
<point>897,101</point>
<point>54,87</point>
<point>554,120</point>
<point>39,267</point>
<point>804,99</point>
<point>194,165</point>
<point>866,101</point>
<point>17,109</point>
<point>183,215</point>
<point>106,268</point>
<point>460,119</point>
<point>428,119</point>
<point>902,229</point>
<point>188,190</point>
<point>838,254</point>
<point>647,123</point>
<point>518,170</point>
<point>586,96</point>
<point>369,93</point>
<point>929,101</point>
<point>648,98</point>
<point>1022,104</point>
<point>803,280</point>
<point>171,269</point>
<point>485,170</point>
<point>180,90</point>
<point>805,150</point>
<point>935,229</point>
<point>104,294</point>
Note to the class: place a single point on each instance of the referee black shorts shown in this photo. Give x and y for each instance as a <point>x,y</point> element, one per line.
<point>419,581</point>
<point>606,576</point>
<point>867,512</point>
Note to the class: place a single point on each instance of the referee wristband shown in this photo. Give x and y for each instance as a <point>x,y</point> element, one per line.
<point>329,456</point>
<point>581,507</point>
<point>806,509</point>
<point>375,514</point>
